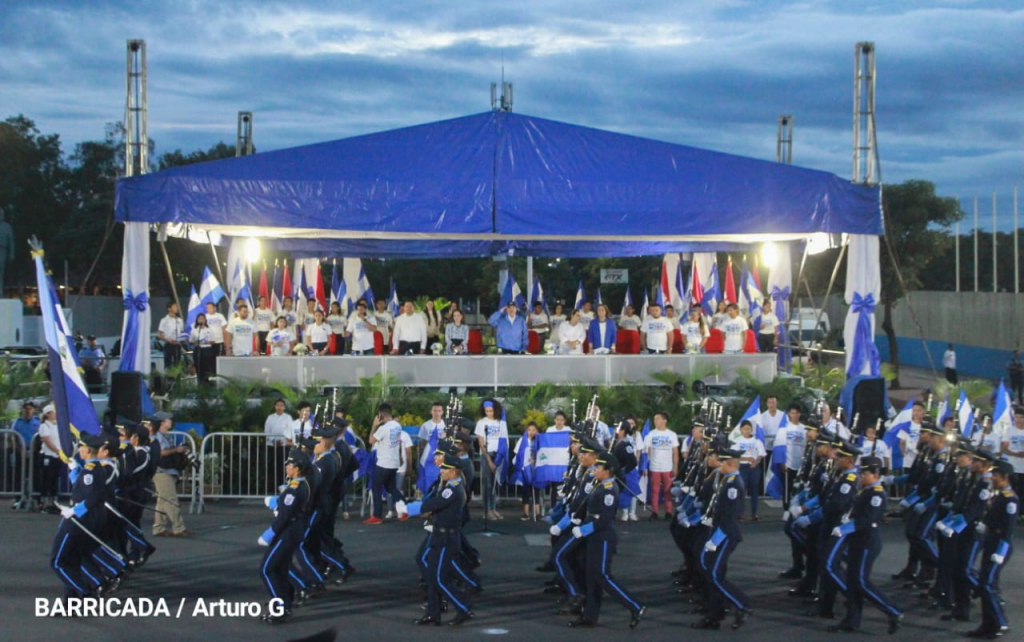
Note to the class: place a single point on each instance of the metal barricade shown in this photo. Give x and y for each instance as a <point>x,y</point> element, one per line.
<point>188,486</point>
<point>239,466</point>
<point>15,469</point>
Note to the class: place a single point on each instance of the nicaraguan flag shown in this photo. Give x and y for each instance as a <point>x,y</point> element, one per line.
<point>301,291</point>
<point>75,412</point>
<point>899,424</point>
<point>240,285</point>
<point>552,457</point>
<point>195,308</point>
<point>943,411</point>
<point>753,414</point>
<point>522,471</point>
<point>965,415</point>
<point>776,475</point>
<point>1002,416</point>
<point>682,302</point>
<point>537,296</point>
<point>428,469</point>
<point>339,291</point>
<point>647,305</point>
<point>393,304</point>
<point>659,299</point>
<point>711,291</point>
<point>501,459</point>
<point>210,290</point>
<point>365,291</point>
<point>597,299</point>
<point>628,301</point>
<point>512,293</point>
<point>643,464</point>
<point>275,289</point>
<point>581,297</point>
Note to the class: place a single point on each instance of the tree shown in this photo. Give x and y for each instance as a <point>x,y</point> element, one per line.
<point>912,213</point>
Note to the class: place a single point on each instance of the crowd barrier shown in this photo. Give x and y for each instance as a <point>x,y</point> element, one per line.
<point>15,468</point>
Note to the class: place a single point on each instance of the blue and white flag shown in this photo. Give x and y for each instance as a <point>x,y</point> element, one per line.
<point>393,305</point>
<point>581,297</point>
<point>628,301</point>
<point>195,308</point>
<point>965,415</point>
<point>552,457</point>
<point>210,290</point>
<point>643,464</point>
<point>512,293</point>
<point>363,290</point>
<point>659,299</point>
<point>501,458</point>
<point>302,293</point>
<point>775,478</point>
<point>944,411</point>
<point>339,292</point>
<point>428,471</point>
<point>522,469</point>
<point>240,285</point>
<point>597,299</point>
<point>711,291</point>
<point>682,304</point>
<point>899,424</point>
<point>75,412</point>
<point>647,305</point>
<point>1002,416</point>
<point>753,414</point>
<point>537,296</point>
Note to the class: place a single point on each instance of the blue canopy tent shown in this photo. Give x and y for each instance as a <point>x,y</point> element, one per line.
<point>497,182</point>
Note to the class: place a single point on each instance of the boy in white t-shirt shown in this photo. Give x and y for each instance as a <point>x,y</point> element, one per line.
<point>656,331</point>
<point>386,435</point>
<point>750,463</point>
<point>735,328</point>
<point>662,447</point>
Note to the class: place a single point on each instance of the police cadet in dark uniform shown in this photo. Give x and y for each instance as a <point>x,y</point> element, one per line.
<point>934,484</point>
<point>960,528</point>
<point>311,580</point>
<point>568,550</point>
<point>443,547</point>
<point>951,502</point>
<point>292,508</point>
<point>804,528</point>
<point>88,493</point>
<point>996,533</point>
<point>334,464</point>
<point>139,549</point>
<point>598,532</point>
<point>689,516</point>
<point>625,454</point>
<point>915,480</point>
<point>723,523</point>
<point>841,493</point>
<point>102,565</point>
<point>865,543</point>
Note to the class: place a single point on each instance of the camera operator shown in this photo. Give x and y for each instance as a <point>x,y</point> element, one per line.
<point>173,459</point>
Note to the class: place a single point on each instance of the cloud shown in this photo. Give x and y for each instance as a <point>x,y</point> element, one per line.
<point>709,74</point>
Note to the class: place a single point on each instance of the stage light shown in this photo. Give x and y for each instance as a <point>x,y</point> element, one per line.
<point>252,249</point>
<point>769,255</point>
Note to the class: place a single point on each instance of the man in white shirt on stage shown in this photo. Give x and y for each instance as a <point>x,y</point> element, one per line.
<point>362,326</point>
<point>770,420</point>
<point>169,331</point>
<point>656,331</point>
<point>410,335</point>
<point>239,333</point>
<point>735,328</point>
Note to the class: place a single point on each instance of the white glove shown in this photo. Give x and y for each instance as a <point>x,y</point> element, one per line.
<point>576,521</point>
<point>796,511</point>
<point>837,532</point>
<point>947,505</point>
<point>904,503</point>
<point>920,508</point>
<point>981,528</point>
<point>275,513</point>
<point>72,463</point>
<point>577,532</point>
<point>555,531</point>
<point>785,516</point>
<point>429,528</point>
<point>997,558</point>
<point>710,547</point>
<point>945,530</point>
<point>707,521</point>
<point>687,489</point>
<point>67,512</point>
<point>267,500</point>
<point>262,542</point>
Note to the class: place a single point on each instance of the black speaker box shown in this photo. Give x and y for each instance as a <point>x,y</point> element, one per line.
<point>126,394</point>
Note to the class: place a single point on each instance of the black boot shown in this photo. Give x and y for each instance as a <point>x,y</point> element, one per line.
<point>426,619</point>
<point>634,617</point>
<point>461,617</point>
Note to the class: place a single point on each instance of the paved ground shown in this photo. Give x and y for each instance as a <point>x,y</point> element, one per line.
<point>382,599</point>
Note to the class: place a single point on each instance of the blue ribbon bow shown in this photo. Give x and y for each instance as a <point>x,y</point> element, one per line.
<point>134,305</point>
<point>864,348</point>
<point>140,302</point>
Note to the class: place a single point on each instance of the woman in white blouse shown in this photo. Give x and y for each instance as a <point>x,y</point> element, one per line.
<point>557,319</point>
<point>571,335</point>
<point>280,339</point>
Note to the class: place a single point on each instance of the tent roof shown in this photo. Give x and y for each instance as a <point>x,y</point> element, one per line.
<point>498,182</point>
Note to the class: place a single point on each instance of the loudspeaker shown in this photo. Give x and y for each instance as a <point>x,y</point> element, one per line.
<point>126,394</point>
<point>869,403</point>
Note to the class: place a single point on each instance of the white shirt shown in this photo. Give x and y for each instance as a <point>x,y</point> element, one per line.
<point>881,451</point>
<point>629,323</point>
<point>492,432</point>
<point>751,447</point>
<point>216,323</point>
<point>338,323</point>
<point>556,321</point>
<point>568,332</point>
<point>411,328</point>
<point>910,438</point>
<point>171,328</point>
<point>676,324</point>
<point>201,336</point>
<point>768,323</point>
<point>1013,440</point>
<point>718,318</point>
<point>362,331</point>
<point>735,334</point>
<point>280,342</point>
<point>587,317</point>
<point>47,429</point>
<point>693,334</point>
<point>555,428</point>
<point>657,332</point>
<point>795,440</point>
<point>949,359</point>
<point>540,320</point>
<point>385,321</point>
<point>264,318</point>
<point>241,336</point>
<point>278,428</point>
<point>428,428</point>
<point>991,442</point>
<point>660,444</point>
<point>301,428</point>
<point>406,440</point>
<point>318,333</point>
<point>770,425</point>
<point>389,445</point>
<point>293,320</point>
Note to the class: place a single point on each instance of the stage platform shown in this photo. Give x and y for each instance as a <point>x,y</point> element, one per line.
<point>493,371</point>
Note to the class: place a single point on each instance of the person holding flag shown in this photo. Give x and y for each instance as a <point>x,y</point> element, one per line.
<point>522,472</point>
